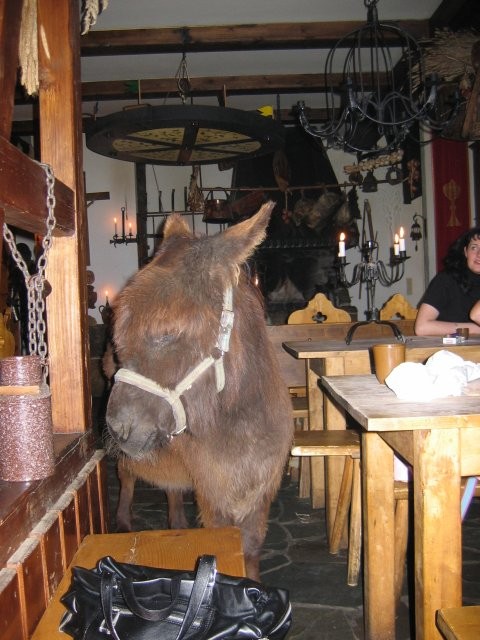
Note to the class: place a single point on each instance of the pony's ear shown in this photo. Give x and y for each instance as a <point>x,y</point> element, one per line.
<point>237,243</point>
<point>175,225</point>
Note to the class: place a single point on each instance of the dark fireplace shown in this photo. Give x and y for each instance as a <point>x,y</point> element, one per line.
<point>297,259</point>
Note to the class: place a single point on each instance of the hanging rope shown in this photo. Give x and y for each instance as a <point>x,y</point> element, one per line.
<point>90,12</point>
<point>28,40</point>
<point>28,48</point>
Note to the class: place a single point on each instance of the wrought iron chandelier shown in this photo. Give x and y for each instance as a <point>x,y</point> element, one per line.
<point>383,90</point>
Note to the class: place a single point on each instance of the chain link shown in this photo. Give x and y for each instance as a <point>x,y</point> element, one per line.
<point>36,283</point>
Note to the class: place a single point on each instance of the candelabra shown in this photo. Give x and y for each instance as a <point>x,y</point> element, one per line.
<point>370,270</point>
<point>123,238</point>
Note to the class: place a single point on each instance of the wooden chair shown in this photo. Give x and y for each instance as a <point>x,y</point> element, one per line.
<point>347,443</point>
<point>319,309</point>
<point>397,307</point>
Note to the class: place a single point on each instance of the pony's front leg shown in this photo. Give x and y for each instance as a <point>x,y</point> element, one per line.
<point>127,486</point>
<point>176,509</point>
<point>253,528</point>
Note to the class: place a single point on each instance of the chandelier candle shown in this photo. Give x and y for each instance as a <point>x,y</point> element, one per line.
<point>396,245</point>
<point>341,246</point>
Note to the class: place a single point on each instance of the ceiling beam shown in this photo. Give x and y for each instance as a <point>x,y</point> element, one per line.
<point>301,35</point>
<point>209,86</point>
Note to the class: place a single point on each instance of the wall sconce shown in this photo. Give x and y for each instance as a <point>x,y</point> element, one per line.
<point>416,229</point>
<point>123,238</point>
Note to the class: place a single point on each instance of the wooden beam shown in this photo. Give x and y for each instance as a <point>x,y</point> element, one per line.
<point>22,180</point>
<point>301,35</point>
<point>98,195</point>
<point>456,15</point>
<point>210,86</point>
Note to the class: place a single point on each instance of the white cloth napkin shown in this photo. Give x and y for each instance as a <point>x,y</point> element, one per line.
<point>444,374</point>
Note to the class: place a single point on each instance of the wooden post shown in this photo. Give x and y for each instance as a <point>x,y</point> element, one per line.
<point>61,147</point>
<point>10,20</point>
<point>141,190</point>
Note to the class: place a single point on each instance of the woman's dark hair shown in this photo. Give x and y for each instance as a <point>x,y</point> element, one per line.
<point>455,262</point>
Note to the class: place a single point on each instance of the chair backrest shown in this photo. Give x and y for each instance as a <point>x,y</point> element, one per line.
<point>319,307</point>
<point>397,307</point>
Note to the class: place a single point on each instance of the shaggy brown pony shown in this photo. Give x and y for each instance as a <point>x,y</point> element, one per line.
<point>237,437</point>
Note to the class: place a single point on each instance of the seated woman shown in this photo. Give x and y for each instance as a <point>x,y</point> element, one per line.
<point>448,301</point>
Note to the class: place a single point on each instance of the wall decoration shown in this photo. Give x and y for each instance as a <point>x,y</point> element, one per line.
<point>451,191</point>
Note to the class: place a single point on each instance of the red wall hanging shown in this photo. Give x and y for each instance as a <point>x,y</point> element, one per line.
<point>451,191</point>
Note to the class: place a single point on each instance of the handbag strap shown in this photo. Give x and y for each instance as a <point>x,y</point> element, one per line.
<point>107,586</point>
<point>202,591</point>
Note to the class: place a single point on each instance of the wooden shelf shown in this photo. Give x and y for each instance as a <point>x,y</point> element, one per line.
<point>23,504</point>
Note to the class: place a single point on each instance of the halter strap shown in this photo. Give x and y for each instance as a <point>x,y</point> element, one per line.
<point>173,396</point>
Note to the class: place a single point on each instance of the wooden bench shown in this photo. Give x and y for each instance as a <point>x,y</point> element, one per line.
<point>169,549</point>
<point>460,623</point>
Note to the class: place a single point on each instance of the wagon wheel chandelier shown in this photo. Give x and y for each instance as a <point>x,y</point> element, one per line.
<point>184,134</point>
<point>375,99</point>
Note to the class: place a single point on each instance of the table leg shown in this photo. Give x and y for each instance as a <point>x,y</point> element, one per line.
<point>315,421</point>
<point>379,535</point>
<point>334,419</point>
<point>437,522</point>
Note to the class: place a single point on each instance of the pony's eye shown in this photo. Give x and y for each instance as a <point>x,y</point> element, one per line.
<point>163,341</point>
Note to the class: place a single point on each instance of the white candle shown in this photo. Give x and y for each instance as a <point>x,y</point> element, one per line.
<point>396,245</point>
<point>341,246</point>
<point>402,240</point>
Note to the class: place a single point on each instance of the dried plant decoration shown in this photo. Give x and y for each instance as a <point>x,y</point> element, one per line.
<point>449,55</point>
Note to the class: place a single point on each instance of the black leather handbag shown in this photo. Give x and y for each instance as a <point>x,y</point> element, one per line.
<point>127,601</point>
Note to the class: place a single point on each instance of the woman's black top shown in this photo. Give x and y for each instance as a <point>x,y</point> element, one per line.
<point>446,295</point>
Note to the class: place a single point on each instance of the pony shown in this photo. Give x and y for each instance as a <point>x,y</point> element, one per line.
<point>198,402</point>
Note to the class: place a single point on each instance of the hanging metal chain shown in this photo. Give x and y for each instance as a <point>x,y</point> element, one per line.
<point>183,81</point>
<point>36,283</point>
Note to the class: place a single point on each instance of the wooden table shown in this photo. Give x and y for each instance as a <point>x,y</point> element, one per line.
<point>441,440</point>
<point>335,357</point>
<point>169,549</point>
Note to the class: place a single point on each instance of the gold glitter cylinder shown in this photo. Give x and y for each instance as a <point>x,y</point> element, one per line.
<point>26,434</point>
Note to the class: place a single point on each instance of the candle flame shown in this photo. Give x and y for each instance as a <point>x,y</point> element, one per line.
<point>402,232</point>
<point>342,237</point>
<point>396,238</point>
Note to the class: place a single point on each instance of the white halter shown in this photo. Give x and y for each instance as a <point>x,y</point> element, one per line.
<point>173,396</point>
